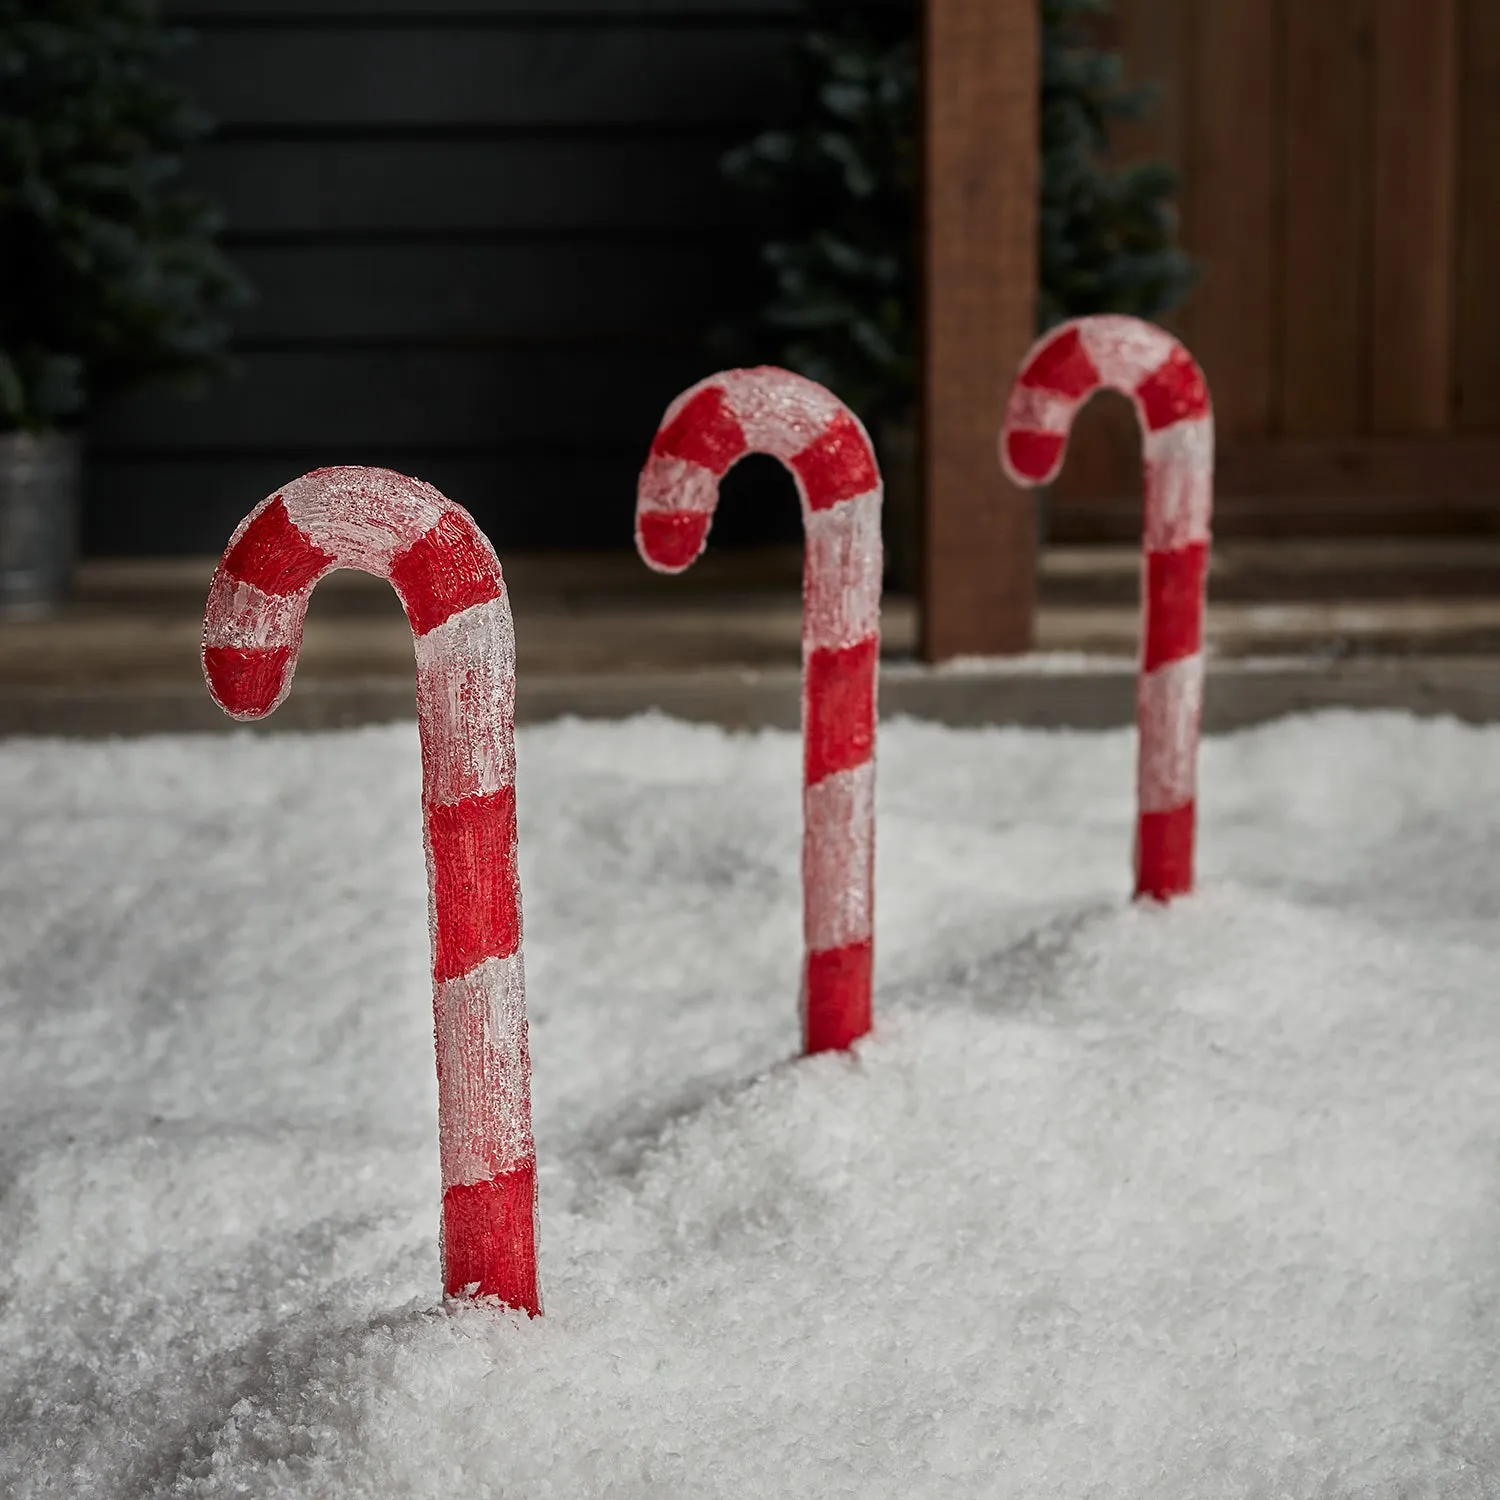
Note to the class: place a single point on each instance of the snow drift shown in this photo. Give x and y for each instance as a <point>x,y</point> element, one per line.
<point>1117,1201</point>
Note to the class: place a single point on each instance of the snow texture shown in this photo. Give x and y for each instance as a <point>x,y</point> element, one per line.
<point>1118,1201</point>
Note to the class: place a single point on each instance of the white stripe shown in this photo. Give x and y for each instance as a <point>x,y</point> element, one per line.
<point>363,517</point>
<point>484,1098</point>
<point>466,694</point>
<point>1034,410</point>
<point>838,858</point>
<point>841,592</point>
<point>1124,350</point>
<point>675,484</point>
<point>242,616</point>
<point>1169,705</point>
<point>780,413</point>
<point>1179,484</point>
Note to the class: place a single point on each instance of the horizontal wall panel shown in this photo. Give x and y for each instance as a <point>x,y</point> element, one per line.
<point>332,402</point>
<point>378,186</point>
<point>489,239</point>
<point>193,505</point>
<point>150,505</point>
<point>388,76</point>
<point>467,293</point>
<point>210,12</point>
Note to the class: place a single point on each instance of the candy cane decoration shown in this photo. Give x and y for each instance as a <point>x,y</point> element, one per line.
<point>705,432</point>
<point>1061,372</point>
<point>449,581</point>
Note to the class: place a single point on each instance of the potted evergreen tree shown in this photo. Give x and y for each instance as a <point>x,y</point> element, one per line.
<point>838,192</point>
<point>109,274</point>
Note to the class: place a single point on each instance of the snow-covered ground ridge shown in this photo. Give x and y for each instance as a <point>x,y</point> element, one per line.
<point>1118,1201</point>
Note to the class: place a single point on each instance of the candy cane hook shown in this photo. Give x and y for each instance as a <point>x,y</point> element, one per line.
<point>705,432</point>
<point>1061,372</point>
<point>447,577</point>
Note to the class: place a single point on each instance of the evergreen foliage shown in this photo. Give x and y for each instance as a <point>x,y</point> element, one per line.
<point>838,193</point>
<point>1107,235</point>
<point>109,274</point>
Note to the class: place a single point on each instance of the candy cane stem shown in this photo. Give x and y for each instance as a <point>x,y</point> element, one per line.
<point>450,583</point>
<point>1063,369</point>
<point>707,430</point>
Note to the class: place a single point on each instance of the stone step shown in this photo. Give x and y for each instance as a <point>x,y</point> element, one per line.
<point>1039,691</point>
<point>603,634</point>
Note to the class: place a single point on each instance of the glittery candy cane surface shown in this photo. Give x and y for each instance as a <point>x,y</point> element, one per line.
<point>1171,399</point>
<point>454,594</point>
<point>705,431</point>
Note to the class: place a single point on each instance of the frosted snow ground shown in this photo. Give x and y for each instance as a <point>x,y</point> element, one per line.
<point>1121,1202</point>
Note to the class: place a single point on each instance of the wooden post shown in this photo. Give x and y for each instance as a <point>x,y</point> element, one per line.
<point>980,226</point>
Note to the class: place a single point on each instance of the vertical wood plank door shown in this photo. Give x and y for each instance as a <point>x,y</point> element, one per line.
<point>1229,217</point>
<point>979,223</point>
<point>1414,180</point>
<point>1478,292</point>
<point>1324,264</point>
<point>1340,169</point>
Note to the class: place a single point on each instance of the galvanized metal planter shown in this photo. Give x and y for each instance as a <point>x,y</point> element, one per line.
<point>40,475</point>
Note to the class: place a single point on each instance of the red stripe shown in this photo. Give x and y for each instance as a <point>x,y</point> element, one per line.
<point>673,538</point>
<point>489,1239</point>
<point>705,432</point>
<point>1063,365</point>
<point>837,466</point>
<point>1164,853</point>
<point>476,895</point>
<point>1034,455</point>
<point>839,709</point>
<point>246,681</point>
<point>275,555</point>
<point>1174,604</point>
<point>838,996</point>
<point>1173,392</point>
<point>449,569</point>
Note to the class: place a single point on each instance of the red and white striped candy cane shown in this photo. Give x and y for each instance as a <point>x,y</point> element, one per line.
<point>705,432</point>
<point>449,580</point>
<point>1061,372</point>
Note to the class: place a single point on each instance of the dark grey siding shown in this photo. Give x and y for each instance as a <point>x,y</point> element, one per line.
<point>488,239</point>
